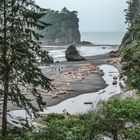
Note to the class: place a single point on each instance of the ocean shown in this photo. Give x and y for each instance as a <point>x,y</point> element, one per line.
<point>59,54</point>
<point>110,38</point>
<point>99,38</point>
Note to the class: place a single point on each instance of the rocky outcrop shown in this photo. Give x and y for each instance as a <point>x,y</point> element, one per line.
<point>64,29</point>
<point>113,54</point>
<point>72,54</point>
<point>86,43</point>
<point>47,60</point>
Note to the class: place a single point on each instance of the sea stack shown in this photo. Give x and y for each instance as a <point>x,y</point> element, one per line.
<point>72,54</point>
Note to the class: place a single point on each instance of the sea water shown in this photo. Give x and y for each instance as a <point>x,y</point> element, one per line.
<point>110,38</point>
<point>106,40</point>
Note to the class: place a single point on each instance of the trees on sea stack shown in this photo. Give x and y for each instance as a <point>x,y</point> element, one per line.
<point>19,46</point>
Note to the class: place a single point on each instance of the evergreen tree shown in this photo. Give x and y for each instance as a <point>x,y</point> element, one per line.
<point>19,46</point>
<point>131,53</point>
<point>131,65</point>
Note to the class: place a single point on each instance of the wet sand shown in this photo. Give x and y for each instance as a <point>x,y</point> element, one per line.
<point>72,79</point>
<point>80,79</point>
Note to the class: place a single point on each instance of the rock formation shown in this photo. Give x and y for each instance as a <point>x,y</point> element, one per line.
<point>64,29</point>
<point>72,54</point>
<point>47,60</point>
<point>87,43</point>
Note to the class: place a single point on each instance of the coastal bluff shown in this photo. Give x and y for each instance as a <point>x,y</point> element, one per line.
<point>64,27</point>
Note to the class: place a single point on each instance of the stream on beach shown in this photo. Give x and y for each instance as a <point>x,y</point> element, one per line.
<point>77,104</point>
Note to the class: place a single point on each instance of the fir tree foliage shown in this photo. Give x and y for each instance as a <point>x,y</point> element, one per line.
<point>131,65</point>
<point>19,46</point>
<point>131,53</point>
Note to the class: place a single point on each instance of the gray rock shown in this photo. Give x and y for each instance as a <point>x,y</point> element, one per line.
<point>113,54</point>
<point>86,43</point>
<point>72,54</point>
<point>47,60</point>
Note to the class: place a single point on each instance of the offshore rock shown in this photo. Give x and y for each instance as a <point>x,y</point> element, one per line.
<point>72,54</point>
<point>86,43</point>
<point>64,29</point>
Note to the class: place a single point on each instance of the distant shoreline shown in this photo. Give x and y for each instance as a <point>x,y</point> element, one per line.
<point>106,45</point>
<point>91,39</point>
<point>113,45</point>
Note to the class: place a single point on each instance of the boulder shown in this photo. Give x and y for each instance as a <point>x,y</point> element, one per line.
<point>47,59</point>
<point>84,43</point>
<point>72,54</point>
<point>113,54</point>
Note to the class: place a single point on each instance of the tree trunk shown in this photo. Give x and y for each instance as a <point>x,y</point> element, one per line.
<point>115,136</point>
<point>4,115</point>
<point>6,77</point>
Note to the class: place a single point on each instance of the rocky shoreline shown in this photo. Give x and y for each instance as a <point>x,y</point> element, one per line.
<point>71,79</point>
<point>82,79</point>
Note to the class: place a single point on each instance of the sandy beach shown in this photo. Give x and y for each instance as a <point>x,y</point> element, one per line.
<point>71,79</point>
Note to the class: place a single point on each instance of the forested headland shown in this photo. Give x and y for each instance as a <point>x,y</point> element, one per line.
<point>64,27</point>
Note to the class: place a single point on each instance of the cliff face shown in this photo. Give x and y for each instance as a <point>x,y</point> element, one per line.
<point>64,29</point>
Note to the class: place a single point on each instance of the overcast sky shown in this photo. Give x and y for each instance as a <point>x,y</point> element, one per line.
<point>94,15</point>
